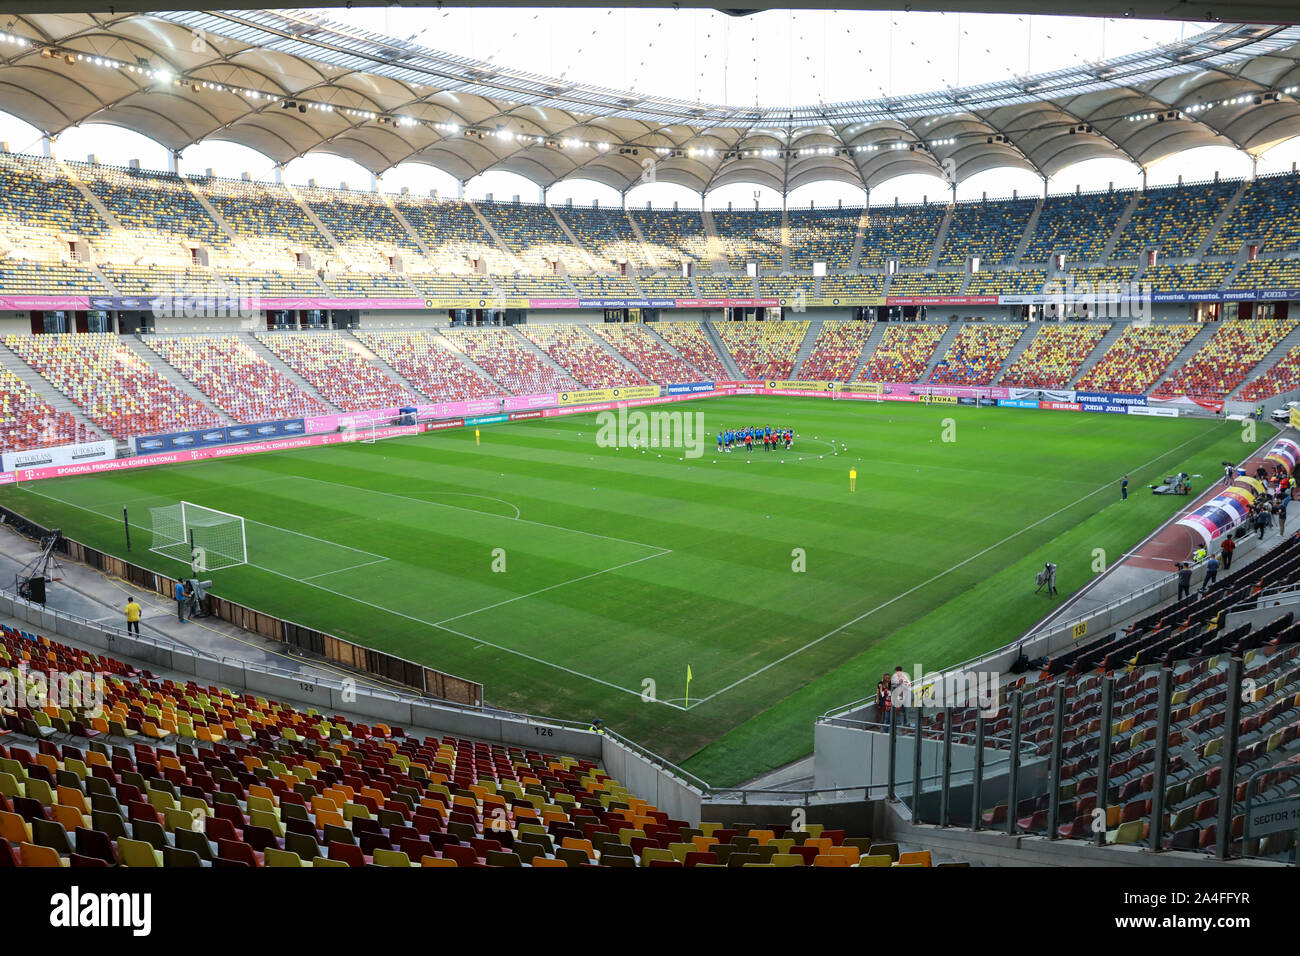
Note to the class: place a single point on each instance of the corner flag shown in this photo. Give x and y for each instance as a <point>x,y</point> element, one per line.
<point>689,675</point>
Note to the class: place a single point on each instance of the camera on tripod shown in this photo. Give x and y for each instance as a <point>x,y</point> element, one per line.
<point>1047,579</point>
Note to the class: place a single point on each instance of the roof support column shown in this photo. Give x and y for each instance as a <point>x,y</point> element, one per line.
<point>47,145</point>
<point>278,173</point>
<point>460,189</point>
<point>374,183</point>
<point>1254,167</point>
<point>1144,179</point>
<point>1044,187</point>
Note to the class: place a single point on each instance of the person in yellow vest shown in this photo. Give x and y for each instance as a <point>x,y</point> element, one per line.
<point>597,726</point>
<point>132,617</point>
<point>853,479</point>
<point>476,433</point>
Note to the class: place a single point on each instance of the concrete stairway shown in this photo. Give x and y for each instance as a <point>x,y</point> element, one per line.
<point>949,336</point>
<point>785,241</point>
<point>655,265</point>
<point>330,239</point>
<point>113,223</point>
<point>1028,234</point>
<point>1110,338</point>
<point>46,390</point>
<point>1204,248</point>
<point>874,338</point>
<point>402,221</point>
<point>173,375</point>
<point>1120,225</point>
<point>806,346</point>
<point>1022,343</point>
<point>253,342</point>
<point>713,245</point>
<point>572,236</point>
<point>541,354</point>
<point>374,358</point>
<point>516,265</point>
<point>473,366</point>
<point>612,352</point>
<point>940,237</point>
<point>859,237</point>
<point>1279,351</point>
<point>724,354</point>
<point>663,343</point>
<point>1202,336</point>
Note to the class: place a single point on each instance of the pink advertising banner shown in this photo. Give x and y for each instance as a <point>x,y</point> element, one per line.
<point>470,408</point>
<point>197,454</point>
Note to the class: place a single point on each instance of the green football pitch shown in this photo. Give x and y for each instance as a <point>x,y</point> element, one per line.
<point>578,580</point>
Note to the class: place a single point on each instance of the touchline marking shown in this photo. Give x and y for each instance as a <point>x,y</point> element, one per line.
<point>364,564</point>
<point>520,597</point>
<point>931,580</point>
<point>419,620</point>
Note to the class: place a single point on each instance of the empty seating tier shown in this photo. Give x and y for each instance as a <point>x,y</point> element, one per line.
<point>239,381</point>
<point>117,390</point>
<point>428,361</point>
<point>836,351</point>
<point>976,355</point>
<point>1053,357</point>
<point>764,350</point>
<point>582,356</point>
<point>903,354</point>
<point>340,368</point>
<point>1137,359</point>
<point>1226,359</point>
<point>510,362</point>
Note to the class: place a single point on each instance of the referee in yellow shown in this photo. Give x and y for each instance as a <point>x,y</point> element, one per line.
<point>132,617</point>
<point>853,479</point>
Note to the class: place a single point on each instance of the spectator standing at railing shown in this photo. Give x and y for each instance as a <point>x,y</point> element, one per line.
<point>132,617</point>
<point>1229,546</point>
<point>1184,579</point>
<point>1281,515</point>
<point>1211,571</point>
<point>900,687</point>
<point>883,699</point>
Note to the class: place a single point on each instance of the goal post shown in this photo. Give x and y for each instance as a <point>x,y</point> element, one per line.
<point>205,538</point>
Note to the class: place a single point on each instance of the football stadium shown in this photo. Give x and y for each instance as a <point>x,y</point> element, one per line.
<point>649,438</point>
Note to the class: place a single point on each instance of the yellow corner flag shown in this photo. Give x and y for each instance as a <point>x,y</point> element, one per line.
<point>689,675</point>
<point>476,433</point>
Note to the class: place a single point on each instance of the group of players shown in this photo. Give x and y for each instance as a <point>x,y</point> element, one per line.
<point>770,438</point>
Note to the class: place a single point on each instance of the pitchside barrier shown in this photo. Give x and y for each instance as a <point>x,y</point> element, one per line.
<point>333,429</point>
<point>355,656</point>
<point>670,788</point>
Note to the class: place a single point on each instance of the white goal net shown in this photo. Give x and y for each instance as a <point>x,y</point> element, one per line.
<point>204,538</point>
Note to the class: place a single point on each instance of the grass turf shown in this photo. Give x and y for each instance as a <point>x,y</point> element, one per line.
<point>621,568</point>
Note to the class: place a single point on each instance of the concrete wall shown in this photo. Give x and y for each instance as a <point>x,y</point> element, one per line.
<point>643,775</point>
<point>15,323</point>
<point>404,319</point>
<point>566,316</point>
<point>651,781</point>
<point>181,325</point>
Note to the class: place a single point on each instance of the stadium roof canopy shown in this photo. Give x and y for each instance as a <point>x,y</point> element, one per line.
<point>289,82</point>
